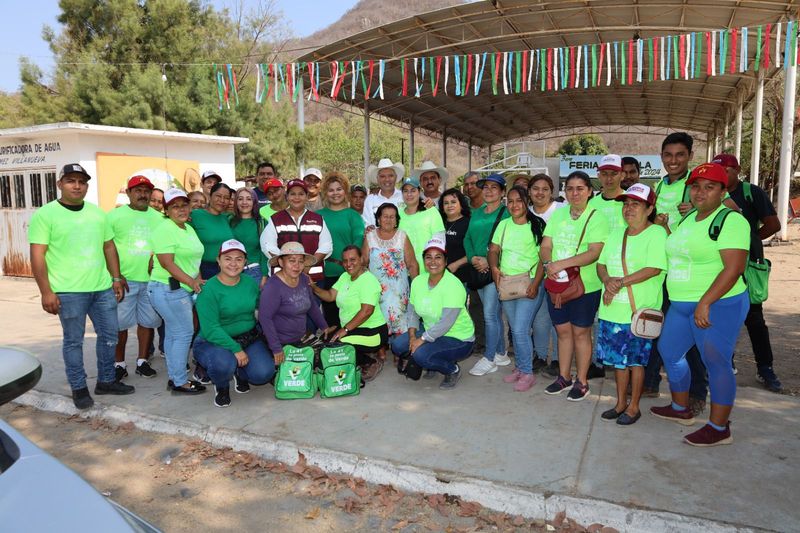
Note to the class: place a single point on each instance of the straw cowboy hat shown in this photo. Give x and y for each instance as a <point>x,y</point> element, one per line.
<point>293,248</point>
<point>430,166</point>
<point>372,170</point>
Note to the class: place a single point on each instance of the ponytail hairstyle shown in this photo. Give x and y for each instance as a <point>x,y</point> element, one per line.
<point>537,224</point>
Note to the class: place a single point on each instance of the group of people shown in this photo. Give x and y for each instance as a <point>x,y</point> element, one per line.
<point>420,273</point>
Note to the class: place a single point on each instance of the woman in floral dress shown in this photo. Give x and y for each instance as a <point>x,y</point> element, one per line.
<point>390,258</point>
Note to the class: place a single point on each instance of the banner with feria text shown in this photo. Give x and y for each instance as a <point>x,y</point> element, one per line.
<point>651,167</point>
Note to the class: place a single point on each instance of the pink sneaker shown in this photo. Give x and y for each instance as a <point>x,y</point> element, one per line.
<point>512,377</point>
<point>525,382</point>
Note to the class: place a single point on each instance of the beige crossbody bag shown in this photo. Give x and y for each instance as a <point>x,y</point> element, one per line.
<point>512,287</point>
<point>646,322</point>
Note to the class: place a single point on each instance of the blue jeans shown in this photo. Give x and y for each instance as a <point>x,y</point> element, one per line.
<point>544,332</point>
<point>520,313</point>
<point>175,307</point>
<point>101,307</point>
<point>221,363</point>
<point>440,355</point>
<point>493,321</point>
<point>254,272</point>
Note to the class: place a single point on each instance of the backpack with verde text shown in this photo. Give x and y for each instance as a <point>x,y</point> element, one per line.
<point>296,378</point>
<point>338,375</point>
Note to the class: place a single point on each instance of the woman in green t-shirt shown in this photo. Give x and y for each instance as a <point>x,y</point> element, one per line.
<point>212,227</point>
<point>440,330</point>
<point>230,344</point>
<point>346,228</point>
<point>642,276</point>
<point>357,294</point>
<point>706,256</point>
<point>246,226</point>
<point>419,223</point>
<point>574,238</point>
<point>514,250</point>
<point>173,281</point>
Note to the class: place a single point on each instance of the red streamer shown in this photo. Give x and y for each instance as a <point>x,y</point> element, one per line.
<point>340,82</point>
<point>709,54</point>
<point>655,58</point>
<point>630,62</point>
<point>438,70</point>
<point>682,54</point>
<point>469,75</point>
<point>497,65</point>
<point>271,72</point>
<point>525,87</point>
<point>289,79</point>
<point>767,46</point>
<point>549,69</point>
<point>369,86</point>
<point>734,55</point>
<point>572,66</point>
<point>405,78</point>
<point>600,65</point>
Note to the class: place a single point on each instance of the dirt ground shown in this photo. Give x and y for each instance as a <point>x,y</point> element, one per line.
<point>180,484</point>
<point>782,314</point>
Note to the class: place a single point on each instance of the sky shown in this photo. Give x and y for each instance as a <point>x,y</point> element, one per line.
<point>23,28</point>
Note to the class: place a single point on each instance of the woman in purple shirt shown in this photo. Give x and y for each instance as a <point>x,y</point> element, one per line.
<point>287,301</point>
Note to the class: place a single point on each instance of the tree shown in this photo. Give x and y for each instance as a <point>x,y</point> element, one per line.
<point>147,64</point>
<point>583,145</point>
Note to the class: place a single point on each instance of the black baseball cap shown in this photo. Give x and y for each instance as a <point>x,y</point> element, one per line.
<point>358,187</point>
<point>73,168</point>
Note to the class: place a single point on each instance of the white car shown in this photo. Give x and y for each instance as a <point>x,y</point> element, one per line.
<point>37,492</point>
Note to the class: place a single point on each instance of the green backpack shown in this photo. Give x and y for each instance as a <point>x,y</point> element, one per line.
<point>296,378</point>
<point>339,375</point>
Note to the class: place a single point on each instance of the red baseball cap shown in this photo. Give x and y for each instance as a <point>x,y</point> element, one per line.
<point>272,183</point>
<point>296,183</point>
<point>726,160</point>
<point>710,172</point>
<point>137,180</point>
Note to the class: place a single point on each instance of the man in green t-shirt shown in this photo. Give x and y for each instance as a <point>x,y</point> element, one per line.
<point>672,202</point>
<point>132,226</point>
<point>76,267</point>
<point>609,172</point>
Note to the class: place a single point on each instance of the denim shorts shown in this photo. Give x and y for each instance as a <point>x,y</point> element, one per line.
<point>136,309</point>
<point>617,346</point>
<point>579,312</point>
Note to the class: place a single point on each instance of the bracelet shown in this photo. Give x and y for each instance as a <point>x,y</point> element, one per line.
<point>116,279</point>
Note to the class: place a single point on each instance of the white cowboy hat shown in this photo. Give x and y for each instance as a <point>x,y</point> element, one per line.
<point>372,170</point>
<point>293,248</point>
<point>430,166</point>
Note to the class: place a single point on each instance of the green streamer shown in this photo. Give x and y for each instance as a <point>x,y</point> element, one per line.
<point>675,57</point>
<point>518,57</point>
<point>494,76</point>
<point>758,50</point>
<point>650,57</point>
<point>433,74</point>
<point>543,63</point>
<point>594,65</point>
<point>624,61</point>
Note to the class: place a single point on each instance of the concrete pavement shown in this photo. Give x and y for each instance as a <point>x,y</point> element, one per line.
<point>529,445</point>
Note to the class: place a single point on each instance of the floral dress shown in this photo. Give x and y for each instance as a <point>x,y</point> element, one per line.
<point>387,262</point>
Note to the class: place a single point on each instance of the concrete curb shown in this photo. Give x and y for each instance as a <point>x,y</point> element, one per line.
<point>495,496</point>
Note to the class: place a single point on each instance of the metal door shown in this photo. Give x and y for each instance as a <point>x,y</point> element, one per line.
<point>21,193</point>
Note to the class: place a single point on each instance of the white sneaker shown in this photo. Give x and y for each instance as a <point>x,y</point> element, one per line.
<point>483,367</point>
<point>502,359</point>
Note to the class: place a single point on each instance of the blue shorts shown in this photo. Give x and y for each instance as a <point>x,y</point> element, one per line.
<point>136,309</point>
<point>617,346</point>
<point>579,312</point>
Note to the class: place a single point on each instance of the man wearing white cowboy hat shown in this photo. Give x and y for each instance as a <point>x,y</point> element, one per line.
<point>386,174</point>
<point>430,177</point>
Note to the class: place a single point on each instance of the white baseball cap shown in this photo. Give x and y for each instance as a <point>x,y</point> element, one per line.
<point>173,194</point>
<point>435,244</point>
<point>210,174</point>
<point>638,191</point>
<point>231,245</point>
<point>317,173</point>
<point>610,162</point>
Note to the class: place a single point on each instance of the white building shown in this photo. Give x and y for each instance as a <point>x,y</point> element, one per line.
<point>31,157</point>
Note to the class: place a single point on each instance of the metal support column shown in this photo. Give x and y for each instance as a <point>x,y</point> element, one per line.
<point>410,145</point>
<point>301,122</point>
<point>725,131</point>
<point>737,142</point>
<point>366,139</point>
<point>469,156</point>
<point>787,142</point>
<point>716,140</point>
<point>755,157</point>
<point>709,145</point>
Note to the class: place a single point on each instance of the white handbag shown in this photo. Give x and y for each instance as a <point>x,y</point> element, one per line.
<point>645,322</point>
